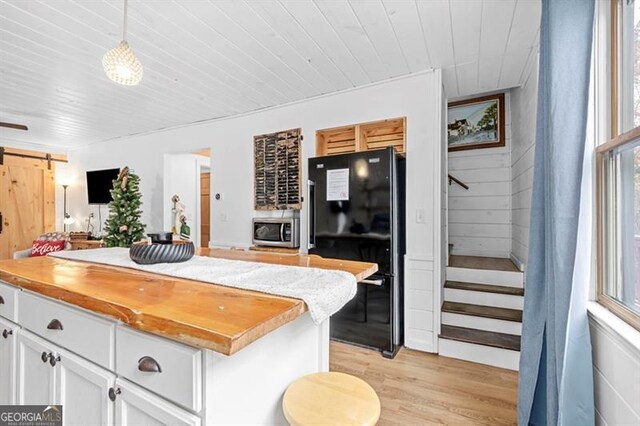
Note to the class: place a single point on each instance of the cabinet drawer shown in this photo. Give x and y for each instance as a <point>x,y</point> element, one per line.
<point>85,334</point>
<point>179,378</point>
<point>8,305</point>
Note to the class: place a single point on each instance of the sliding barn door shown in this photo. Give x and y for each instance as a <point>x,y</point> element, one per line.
<point>27,200</point>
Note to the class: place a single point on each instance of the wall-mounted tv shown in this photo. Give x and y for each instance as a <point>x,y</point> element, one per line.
<point>99,183</point>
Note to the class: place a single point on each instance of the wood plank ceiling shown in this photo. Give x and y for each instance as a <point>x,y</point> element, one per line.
<point>207,59</point>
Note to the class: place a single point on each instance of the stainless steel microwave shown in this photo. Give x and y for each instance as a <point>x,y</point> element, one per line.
<point>276,232</point>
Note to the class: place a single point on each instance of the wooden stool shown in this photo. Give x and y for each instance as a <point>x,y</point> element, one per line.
<point>331,399</point>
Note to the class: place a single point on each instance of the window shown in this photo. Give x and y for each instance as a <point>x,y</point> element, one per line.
<point>618,166</point>
<point>626,55</point>
<point>619,196</point>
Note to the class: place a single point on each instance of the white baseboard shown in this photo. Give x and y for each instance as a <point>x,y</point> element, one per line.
<point>419,340</point>
<point>487,355</point>
<point>516,261</point>
<point>483,298</point>
<point>481,276</point>
<point>480,323</point>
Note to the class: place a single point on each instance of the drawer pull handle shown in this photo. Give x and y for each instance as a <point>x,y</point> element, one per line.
<point>45,356</point>
<point>113,393</point>
<point>149,365</point>
<point>55,325</point>
<point>53,359</point>
<point>6,333</point>
<point>1,300</point>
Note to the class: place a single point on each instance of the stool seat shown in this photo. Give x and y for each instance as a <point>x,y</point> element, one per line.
<point>331,399</point>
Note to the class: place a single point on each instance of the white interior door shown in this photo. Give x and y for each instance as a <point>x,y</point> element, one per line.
<point>182,178</point>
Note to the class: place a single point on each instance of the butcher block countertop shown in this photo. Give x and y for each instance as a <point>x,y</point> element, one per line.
<point>203,315</point>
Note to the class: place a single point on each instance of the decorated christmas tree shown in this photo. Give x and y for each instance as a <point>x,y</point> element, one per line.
<point>123,227</point>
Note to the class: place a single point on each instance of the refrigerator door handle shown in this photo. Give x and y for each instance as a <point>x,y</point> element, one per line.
<point>373,282</point>
<point>311,243</point>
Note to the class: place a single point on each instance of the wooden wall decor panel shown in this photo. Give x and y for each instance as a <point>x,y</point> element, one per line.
<point>362,137</point>
<point>381,134</point>
<point>341,140</point>
<point>277,177</point>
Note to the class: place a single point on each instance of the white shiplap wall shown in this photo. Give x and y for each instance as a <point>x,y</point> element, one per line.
<point>480,218</point>
<point>616,369</point>
<point>523,125</point>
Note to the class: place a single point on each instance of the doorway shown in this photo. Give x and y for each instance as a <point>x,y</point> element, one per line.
<point>205,206</point>
<point>187,175</point>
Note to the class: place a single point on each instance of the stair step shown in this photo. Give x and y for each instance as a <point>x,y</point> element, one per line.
<point>485,288</point>
<point>483,263</point>
<point>505,314</point>
<point>480,323</point>
<point>485,276</point>
<point>479,337</point>
<point>488,355</point>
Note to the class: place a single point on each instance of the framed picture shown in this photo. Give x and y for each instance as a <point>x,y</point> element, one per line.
<point>476,123</point>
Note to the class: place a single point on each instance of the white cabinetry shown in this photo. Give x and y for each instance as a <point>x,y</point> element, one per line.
<point>106,373</point>
<point>83,390</point>
<point>49,374</point>
<point>135,406</point>
<point>36,378</point>
<point>56,357</point>
<point>161,366</point>
<point>8,334</point>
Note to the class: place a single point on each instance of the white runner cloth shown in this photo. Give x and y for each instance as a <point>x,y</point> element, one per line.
<point>324,291</point>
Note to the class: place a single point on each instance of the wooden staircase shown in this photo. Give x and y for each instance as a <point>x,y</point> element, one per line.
<point>482,311</point>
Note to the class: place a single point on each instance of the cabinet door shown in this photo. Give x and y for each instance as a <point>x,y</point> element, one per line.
<point>136,406</point>
<point>8,335</point>
<point>36,377</point>
<point>83,390</point>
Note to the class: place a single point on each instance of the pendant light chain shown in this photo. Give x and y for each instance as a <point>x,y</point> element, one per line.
<point>124,25</point>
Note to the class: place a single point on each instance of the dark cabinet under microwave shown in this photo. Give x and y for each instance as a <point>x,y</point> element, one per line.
<point>276,232</point>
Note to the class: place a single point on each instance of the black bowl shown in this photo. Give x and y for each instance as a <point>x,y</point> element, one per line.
<point>161,237</point>
<point>149,254</point>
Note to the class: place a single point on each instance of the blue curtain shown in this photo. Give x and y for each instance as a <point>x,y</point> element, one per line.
<point>556,376</point>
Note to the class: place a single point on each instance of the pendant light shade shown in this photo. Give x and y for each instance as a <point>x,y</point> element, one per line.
<point>120,63</point>
<point>122,66</point>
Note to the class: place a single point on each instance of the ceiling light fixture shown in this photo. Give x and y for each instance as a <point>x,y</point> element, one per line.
<point>120,63</point>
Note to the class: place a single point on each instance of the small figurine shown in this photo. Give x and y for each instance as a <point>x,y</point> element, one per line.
<point>124,176</point>
<point>185,231</point>
<point>178,211</point>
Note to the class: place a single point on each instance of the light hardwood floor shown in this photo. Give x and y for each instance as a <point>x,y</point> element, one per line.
<point>417,388</point>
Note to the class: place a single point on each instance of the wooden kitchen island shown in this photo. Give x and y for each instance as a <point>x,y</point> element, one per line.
<point>121,346</point>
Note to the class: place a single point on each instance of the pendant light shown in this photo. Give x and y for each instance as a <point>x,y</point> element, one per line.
<point>120,63</point>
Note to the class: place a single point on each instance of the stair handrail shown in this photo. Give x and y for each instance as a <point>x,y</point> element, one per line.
<point>458,181</point>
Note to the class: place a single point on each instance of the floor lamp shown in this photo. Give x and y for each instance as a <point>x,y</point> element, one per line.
<point>68,220</point>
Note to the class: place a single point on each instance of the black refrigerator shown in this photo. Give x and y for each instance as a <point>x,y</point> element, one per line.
<point>356,212</point>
